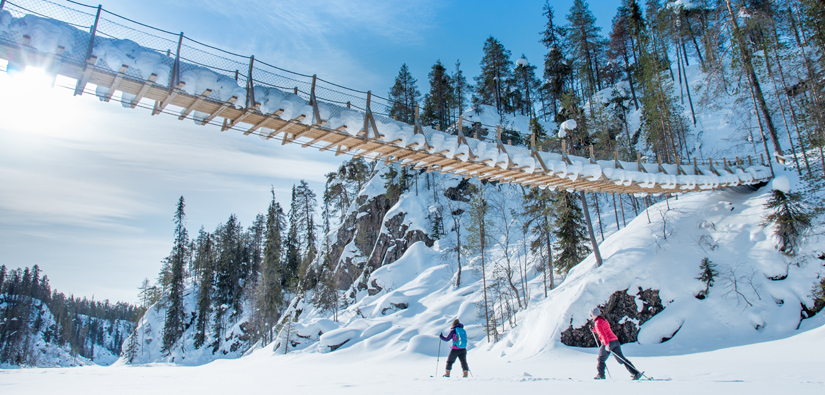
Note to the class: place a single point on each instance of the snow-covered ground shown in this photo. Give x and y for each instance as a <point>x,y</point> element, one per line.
<point>791,366</point>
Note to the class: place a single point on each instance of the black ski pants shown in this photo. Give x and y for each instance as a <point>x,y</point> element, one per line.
<point>616,348</point>
<point>461,354</point>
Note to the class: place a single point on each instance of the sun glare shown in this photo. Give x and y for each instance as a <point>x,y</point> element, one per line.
<point>30,104</point>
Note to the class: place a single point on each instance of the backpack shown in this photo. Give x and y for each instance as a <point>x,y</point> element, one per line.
<point>461,338</point>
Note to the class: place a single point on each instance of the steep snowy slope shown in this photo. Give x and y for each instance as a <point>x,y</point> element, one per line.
<point>758,294</point>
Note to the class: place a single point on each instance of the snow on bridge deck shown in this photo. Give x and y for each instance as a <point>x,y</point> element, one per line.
<point>209,84</point>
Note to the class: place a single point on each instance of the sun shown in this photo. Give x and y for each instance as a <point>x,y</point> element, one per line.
<point>29,103</point>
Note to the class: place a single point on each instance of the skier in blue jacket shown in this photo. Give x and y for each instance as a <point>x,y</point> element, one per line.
<point>459,350</point>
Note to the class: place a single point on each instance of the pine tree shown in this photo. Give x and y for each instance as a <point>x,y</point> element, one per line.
<point>526,85</point>
<point>404,96</point>
<point>227,277</point>
<point>256,249</point>
<point>173,327</point>
<point>790,219</point>
<point>585,44</point>
<point>436,103</point>
<point>568,231</point>
<point>746,56</point>
<point>496,69</point>
<point>478,239</point>
<point>269,293</point>
<point>292,260</point>
<point>460,90</point>
<point>306,206</point>
<point>538,210</point>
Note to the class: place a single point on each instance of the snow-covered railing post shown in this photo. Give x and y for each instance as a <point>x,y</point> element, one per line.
<point>367,116</point>
<point>639,162</point>
<point>250,84</point>
<point>176,67</point>
<point>90,60</point>
<point>175,84</point>
<point>313,101</point>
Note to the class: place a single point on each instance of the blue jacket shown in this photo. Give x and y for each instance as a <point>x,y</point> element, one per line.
<point>453,336</point>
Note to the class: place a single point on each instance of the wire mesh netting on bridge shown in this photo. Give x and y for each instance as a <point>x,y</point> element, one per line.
<point>171,60</point>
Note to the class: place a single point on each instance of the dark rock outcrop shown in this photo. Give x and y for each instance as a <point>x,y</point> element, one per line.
<point>384,241</point>
<point>621,312</point>
<point>362,227</point>
<point>460,192</point>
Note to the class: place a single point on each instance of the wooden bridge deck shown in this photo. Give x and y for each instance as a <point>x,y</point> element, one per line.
<point>367,142</point>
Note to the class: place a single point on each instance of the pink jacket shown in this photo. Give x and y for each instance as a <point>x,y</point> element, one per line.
<point>602,328</point>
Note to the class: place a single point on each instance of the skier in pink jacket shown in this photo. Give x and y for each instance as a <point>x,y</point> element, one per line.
<point>609,343</point>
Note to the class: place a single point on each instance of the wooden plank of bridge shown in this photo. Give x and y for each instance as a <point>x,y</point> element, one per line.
<point>87,74</point>
<point>323,136</point>
<point>194,104</point>
<point>307,130</point>
<point>286,126</point>
<point>220,110</point>
<point>263,122</point>
<point>161,105</point>
<point>143,90</point>
<point>246,113</point>
<point>118,78</point>
<point>343,140</point>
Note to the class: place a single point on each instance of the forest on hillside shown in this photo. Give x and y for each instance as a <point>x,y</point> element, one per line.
<point>34,317</point>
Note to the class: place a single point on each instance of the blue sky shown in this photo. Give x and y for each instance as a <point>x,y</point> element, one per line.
<point>89,188</point>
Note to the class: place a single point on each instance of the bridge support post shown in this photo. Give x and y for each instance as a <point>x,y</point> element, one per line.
<point>593,241</point>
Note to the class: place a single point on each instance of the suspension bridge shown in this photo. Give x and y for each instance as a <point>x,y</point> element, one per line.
<point>170,73</point>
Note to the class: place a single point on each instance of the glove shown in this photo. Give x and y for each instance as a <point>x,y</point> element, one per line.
<point>441,334</point>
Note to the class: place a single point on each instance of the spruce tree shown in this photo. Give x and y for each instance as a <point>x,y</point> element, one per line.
<point>707,275</point>
<point>404,96</point>
<point>496,69</point>
<point>173,326</point>
<point>557,70</point>
<point>436,102</point>
<point>568,231</point>
<point>789,218</point>
<point>205,264</point>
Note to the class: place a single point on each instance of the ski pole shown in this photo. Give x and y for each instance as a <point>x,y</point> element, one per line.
<point>626,362</point>
<point>438,358</point>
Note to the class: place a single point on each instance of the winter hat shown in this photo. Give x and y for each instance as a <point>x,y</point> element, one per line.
<point>595,312</point>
